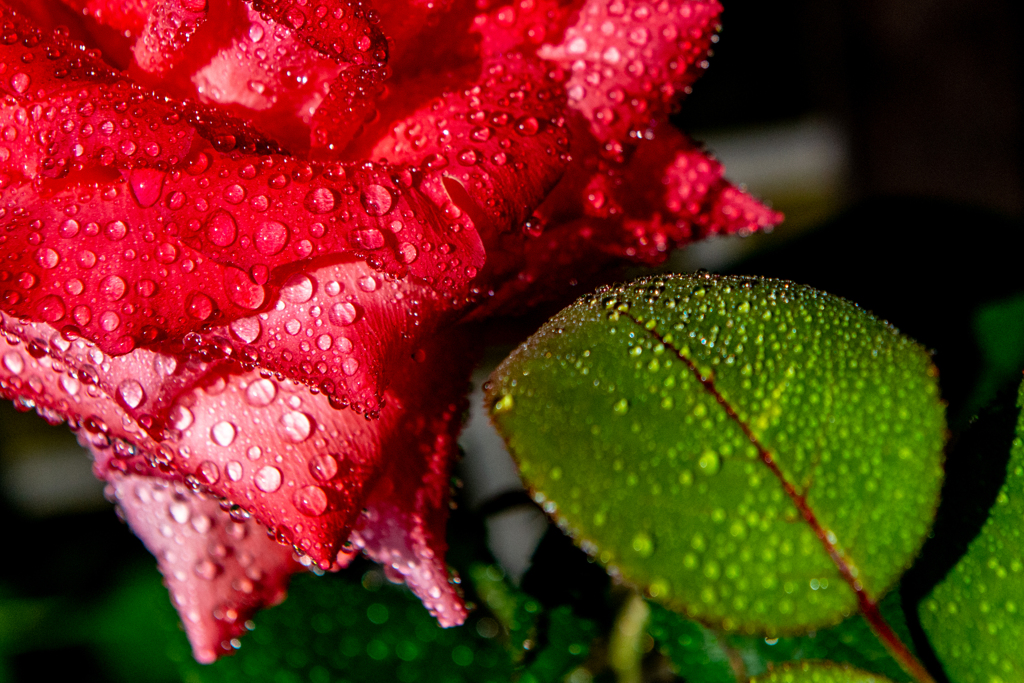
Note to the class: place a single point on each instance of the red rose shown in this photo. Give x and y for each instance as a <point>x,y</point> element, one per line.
<point>244,265</point>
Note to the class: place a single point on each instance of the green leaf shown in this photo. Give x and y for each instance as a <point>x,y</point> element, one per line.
<point>334,630</point>
<point>999,331</point>
<point>973,617</point>
<point>752,452</point>
<point>700,654</point>
<point>818,672</point>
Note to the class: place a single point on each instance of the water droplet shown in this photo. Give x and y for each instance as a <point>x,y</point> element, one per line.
<point>643,544</point>
<point>407,252</point>
<point>223,433</point>
<point>180,512</point>
<point>146,185</point>
<point>242,291</point>
<point>298,289</point>
<point>350,366</point>
<point>343,313</point>
<point>296,426</point>
<point>320,200</point>
<point>234,194</point>
<point>113,287</point>
<point>246,329</point>
<point>181,417</point>
<point>261,392</point>
<point>376,200</point>
<point>368,283</point>
<point>268,479</point>
<point>222,229</point>
<point>271,237</point>
<point>621,407</point>
<point>234,470</point>
<point>709,462</point>
<point>69,228</point>
<point>208,569</point>
<point>47,258</point>
<point>200,306</point>
<point>116,230</point>
<point>323,467</point>
<point>367,239</point>
<point>208,472</point>
<point>109,321</point>
<point>20,82</point>
<point>311,501</point>
<point>324,342</point>
<point>14,362</point>
<point>132,393</point>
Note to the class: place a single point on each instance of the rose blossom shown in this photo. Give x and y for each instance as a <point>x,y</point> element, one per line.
<point>244,257</point>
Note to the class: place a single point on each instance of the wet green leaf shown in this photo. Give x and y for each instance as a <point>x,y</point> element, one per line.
<point>973,617</point>
<point>712,439</point>
<point>702,655</point>
<point>818,672</point>
<point>334,630</point>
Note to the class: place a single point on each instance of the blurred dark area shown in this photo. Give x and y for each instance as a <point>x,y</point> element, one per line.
<point>929,92</point>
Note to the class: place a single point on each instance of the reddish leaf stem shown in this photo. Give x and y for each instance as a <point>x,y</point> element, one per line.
<point>868,606</point>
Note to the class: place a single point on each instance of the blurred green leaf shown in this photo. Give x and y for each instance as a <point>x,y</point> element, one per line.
<point>633,412</point>
<point>973,617</point>
<point>818,672</point>
<point>999,331</point>
<point>333,629</point>
<point>702,655</point>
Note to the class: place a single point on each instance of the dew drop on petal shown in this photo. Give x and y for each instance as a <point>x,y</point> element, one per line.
<point>271,237</point>
<point>311,501</point>
<point>324,342</point>
<point>261,392</point>
<point>116,230</point>
<point>180,512</point>
<point>298,289</point>
<point>234,470</point>
<point>181,417</point>
<point>223,433</point>
<point>323,467</point>
<point>268,479</point>
<point>200,306</point>
<point>208,472</point>
<point>368,283</point>
<point>14,362</point>
<point>246,329</point>
<point>296,426</point>
<point>376,200</point>
<point>131,392</point>
<point>222,229</point>
<point>320,200</point>
<point>113,287</point>
<point>407,252</point>
<point>343,313</point>
<point>47,258</point>
<point>242,291</point>
<point>350,366</point>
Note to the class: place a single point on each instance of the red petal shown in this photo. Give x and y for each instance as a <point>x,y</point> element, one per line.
<point>501,139</point>
<point>123,15</point>
<point>629,59</point>
<point>403,526</point>
<point>219,570</point>
<point>168,30</point>
<point>344,30</point>
<point>526,23</point>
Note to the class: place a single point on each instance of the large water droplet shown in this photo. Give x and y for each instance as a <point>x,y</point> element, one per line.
<point>323,467</point>
<point>180,512</point>
<point>246,329</point>
<point>208,472</point>
<point>376,200</point>
<point>113,287</point>
<point>261,392</point>
<point>298,289</point>
<point>242,291</point>
<point>320,200</point>
<point>146,185</point>
<point>222,229</point>
<point>200,306</point>
<point>343,313</point>
<point>132,393</point>
<point>47,258</point>
<point>181,417</point>
<point>271,237</point>
<point>311,501</point>
<point>223,433</point>
<point>268,479</point>
<point>234,470</point>
<point>296,426</point>
<point>643,544</point>
<point>14,362</point>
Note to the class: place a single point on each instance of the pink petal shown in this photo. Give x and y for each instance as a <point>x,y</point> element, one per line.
<point>219,569</point>
<point>403,526</point>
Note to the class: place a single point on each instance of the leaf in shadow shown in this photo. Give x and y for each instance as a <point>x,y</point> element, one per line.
<point>973,617</point>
